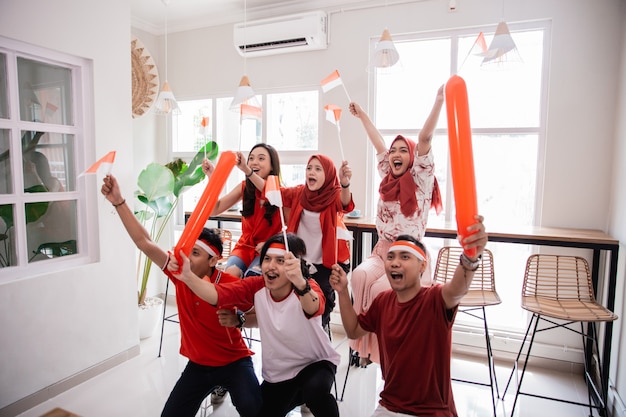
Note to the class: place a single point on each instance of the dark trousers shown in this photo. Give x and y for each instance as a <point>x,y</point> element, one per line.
<point>197,381</point>
<point>322,277</point>
<point>311,387</point>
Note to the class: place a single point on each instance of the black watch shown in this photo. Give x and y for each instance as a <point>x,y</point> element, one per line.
<point>241,316</point>
<point>306,289</point>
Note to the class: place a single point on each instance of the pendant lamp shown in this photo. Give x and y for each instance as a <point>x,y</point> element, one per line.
<point>502,52</point>
<point>166,102</point>
<point>385,54</point>
<point>244,93</point>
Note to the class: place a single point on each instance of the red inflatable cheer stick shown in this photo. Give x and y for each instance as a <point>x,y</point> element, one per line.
<point>461,156</point>
<point>205,205</point>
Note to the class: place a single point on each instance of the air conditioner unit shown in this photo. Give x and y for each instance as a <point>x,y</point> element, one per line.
<point>294,33</point>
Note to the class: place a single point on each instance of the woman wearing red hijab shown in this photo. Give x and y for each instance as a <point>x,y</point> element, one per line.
<point>313,217</point>
<point>407,192</point>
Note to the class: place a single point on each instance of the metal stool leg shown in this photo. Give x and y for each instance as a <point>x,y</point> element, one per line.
<point>167,285</point>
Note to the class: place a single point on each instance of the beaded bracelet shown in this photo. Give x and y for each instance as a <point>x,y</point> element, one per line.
<point>345,186</point>
<point>119,204</point>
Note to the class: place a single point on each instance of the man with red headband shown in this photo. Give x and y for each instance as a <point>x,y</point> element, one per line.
<point>414,326</point>
<point>299,361</point>
<point>407,192</point>
<point>218,356</point>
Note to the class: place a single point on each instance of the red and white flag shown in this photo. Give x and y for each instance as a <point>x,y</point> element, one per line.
<point>342,231</point>
<point>272,191</point>
<point>248,111</point>
<point>204,126</point>
<point>480,45</point>
<point>332,81</point>
<point>333,113</point>
<point>106,161</point>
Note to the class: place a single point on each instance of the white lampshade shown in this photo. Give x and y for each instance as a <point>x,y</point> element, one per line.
<point>502,52</point>
<point>385,54</point>
<point>244,94</point>
<point>166,102</point>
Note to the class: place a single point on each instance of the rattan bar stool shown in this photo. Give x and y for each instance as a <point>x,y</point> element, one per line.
<point>482,293</point>
<point>559,287</point>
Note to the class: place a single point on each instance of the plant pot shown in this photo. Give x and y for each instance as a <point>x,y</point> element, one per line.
<point>150,314</point>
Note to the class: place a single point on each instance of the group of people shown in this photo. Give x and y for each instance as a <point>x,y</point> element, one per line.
<point>290,279</point>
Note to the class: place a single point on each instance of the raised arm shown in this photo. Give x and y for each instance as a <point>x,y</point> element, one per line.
<point>426,134</point>
<point>339,281</point>
<point>374,135</point>
<point>111,190</point>
<point>203,289</point>
<point>293,269</point>
<point>345,174</point>
<point>454,290</point>
<point>233,197</point>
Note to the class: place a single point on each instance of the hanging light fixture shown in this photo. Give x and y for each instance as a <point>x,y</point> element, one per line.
<point>502,51</point>
<point>244,93</point>
<point>385,59</point>
<point>166,102</point>
<point>385,55</point>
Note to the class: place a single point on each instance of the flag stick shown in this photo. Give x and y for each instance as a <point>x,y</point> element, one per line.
<point>284,228</point>
<point>340,145</point>
<point>346,91</point>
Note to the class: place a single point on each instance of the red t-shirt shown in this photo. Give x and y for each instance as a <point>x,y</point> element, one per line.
<point>254,230</point>
<point>202,338</point>
<point>415,342</point>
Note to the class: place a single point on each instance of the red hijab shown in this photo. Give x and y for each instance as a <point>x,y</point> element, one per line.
<point>323,201</point>
<point>403,188</point>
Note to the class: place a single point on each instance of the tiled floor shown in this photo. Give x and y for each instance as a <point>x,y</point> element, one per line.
<point>139,387</point>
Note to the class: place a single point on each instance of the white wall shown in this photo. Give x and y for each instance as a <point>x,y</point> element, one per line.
<point>50,331</point>
<point>617,228</point>
<point>57,325</point>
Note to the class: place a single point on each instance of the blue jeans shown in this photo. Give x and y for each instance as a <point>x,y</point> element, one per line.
<point>197,381</point>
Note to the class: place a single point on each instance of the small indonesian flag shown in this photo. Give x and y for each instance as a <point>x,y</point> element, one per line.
<point>333,113</point>
<point>272,191</point>
<point>250,112</point>
<point>106,161</point>
<point>342,231</point>
<point>480,45</point>
<point>332,81</point>
<point>204,126</point>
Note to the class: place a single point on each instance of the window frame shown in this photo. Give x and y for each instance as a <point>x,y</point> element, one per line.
<point>539,131</point>
<point>82,129</point>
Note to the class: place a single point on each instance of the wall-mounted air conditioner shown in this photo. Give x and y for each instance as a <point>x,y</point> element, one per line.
<point>294,33</point>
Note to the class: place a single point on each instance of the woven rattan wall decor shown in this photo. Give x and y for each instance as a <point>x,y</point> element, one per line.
<point>145,78</point>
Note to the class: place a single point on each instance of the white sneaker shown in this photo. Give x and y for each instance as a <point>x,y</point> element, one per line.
<point>218,395</point>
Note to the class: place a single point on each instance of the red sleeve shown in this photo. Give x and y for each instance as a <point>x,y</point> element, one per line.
<point>238,293</point>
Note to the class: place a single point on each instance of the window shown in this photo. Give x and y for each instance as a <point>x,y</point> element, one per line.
<point>508,125</point>
<point>289,122</point>
<point>42,125</point>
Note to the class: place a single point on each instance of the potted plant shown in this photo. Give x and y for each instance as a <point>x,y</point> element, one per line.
<point>160,187</point>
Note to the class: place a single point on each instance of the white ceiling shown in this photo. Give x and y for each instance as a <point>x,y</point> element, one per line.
<point>149,15</point>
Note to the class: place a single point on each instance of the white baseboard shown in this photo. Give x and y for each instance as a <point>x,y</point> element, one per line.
<point>57,388</point>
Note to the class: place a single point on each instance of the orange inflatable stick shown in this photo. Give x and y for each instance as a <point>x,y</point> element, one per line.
<point>461,156</point>
<point>205,205</point>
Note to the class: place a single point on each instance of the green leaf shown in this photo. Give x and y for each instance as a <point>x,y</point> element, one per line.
<point>155,181</point>
<point>6,213</point>
<point>35,210</point>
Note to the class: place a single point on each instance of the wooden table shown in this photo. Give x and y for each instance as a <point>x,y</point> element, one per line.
<point>595,240</point>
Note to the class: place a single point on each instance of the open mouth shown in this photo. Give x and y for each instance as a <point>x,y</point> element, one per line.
<point>396,275</point>
<point>397,164</point>
<point>270,276</point>
<point>311,181</point>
